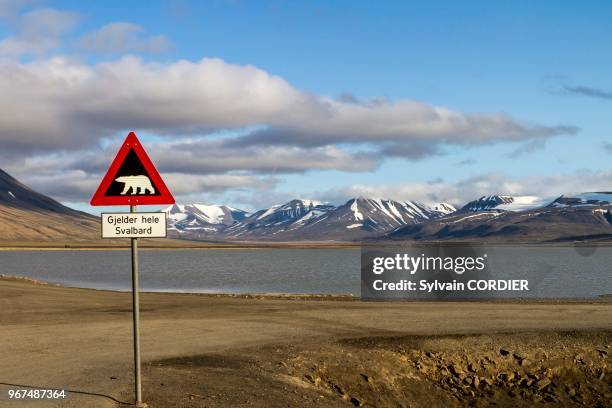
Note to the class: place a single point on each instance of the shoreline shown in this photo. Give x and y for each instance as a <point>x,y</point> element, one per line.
<point>126,246</point>
<point>176,244</point>
<point>602,299</point>
<point>173,243</point>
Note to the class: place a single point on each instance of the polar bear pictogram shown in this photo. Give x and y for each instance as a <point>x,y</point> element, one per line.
<point>138,184</point>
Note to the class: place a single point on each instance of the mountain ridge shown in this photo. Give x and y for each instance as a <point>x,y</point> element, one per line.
<point>310,219</point>
<point>15,194</point>
<point>495,217</point>
<point>26,215</point>
<point>571,217</point>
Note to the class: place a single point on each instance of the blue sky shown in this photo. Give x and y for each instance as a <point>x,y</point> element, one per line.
<point>545,67</point>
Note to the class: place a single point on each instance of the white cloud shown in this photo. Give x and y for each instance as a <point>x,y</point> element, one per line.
<point>189,166</point>
<point>465,190</point>
<point>56,111</point>
<point>74,177</point>
<point>206,157</point>
<point>75,104</point>
<point>75,185</point>
<point>38,32</point>
<point>123,37</point>
<point>202,156</point>
<point>189,184</point>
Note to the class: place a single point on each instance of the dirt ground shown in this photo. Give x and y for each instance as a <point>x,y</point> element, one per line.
<point>233,351</point>
<point>562,369</point>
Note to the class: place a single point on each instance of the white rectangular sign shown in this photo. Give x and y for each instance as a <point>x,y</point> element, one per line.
<point>134,225</point>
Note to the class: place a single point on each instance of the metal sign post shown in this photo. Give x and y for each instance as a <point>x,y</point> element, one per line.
<point>133,180</point>
<point>136,318</point>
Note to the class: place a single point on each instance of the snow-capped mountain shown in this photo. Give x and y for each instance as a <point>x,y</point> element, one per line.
<point>571,217</point>
<point>494,217</point>
<point>444,208</point>
<point>301,220</point>
<point>201,218</point>
<point>279,218</point>
<point>377,215</point>
<point>486,203</point>
<point>505,203</point>
<point>357,218</point>
<point>525,203</point>
<point>582,199</point>
<point>367,217</point>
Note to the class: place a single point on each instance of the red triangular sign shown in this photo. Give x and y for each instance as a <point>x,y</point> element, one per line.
<point>132,179</point>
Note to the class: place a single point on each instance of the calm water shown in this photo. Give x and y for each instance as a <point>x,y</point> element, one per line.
<point>202,270</point>
<point>563,271</point>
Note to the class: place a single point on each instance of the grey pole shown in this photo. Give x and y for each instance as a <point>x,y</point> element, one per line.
<point>136,318</point>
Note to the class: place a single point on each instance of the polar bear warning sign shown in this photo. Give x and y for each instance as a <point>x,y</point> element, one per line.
<point>132,179</point>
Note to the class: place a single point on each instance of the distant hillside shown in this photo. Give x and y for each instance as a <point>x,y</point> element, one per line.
<point>300,220</point>
<point>26,215</point>
<point>581,217</point>
<point>504,203</point>
<point>201,220</point>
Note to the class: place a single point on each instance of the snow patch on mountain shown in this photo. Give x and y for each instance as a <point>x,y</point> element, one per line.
<point>581,199</point>
<point>486,203</point>
<point>524,203</point>
<point>202,217</point>
<point>301,219</point>
<point>444,208</point>
<point>280,218</point>
<point>478,215</point>
<point>355,208</point>
<point>505,203</point>
<point>269,211</point>
<point>212,214</point>
<point>312,214</point>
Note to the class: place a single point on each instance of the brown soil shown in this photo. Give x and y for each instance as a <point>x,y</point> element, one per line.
<point>224,351</point>
<point>556,369</point>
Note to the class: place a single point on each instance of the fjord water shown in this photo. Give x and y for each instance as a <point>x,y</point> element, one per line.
<point>565,272</point>
<point>191,270</point>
